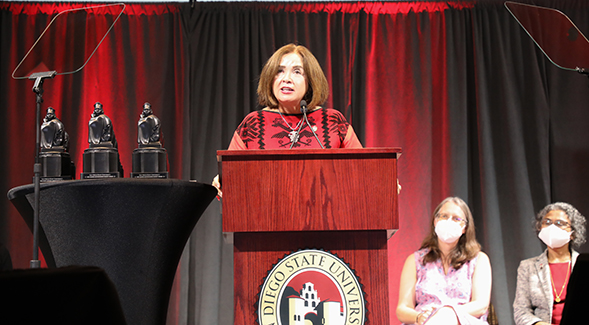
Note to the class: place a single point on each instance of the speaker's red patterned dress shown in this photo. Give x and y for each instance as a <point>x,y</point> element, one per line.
<point>266,129</point>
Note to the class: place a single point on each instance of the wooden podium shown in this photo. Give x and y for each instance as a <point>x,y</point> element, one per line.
<point>276,202</point>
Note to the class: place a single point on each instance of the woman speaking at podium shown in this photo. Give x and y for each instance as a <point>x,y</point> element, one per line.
<point>292,86</point>
<point>291,81</point>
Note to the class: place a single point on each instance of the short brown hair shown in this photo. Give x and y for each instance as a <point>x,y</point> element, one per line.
<point>467,247</point>
<point>317,87</point>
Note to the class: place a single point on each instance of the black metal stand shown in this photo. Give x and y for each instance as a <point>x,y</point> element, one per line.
<point>39,77</point>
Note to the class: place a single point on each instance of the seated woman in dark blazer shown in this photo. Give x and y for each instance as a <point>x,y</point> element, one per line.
<point>542,280</point>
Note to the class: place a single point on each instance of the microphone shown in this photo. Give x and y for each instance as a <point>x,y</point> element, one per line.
<point>304,106</point>
<point>304,110</point>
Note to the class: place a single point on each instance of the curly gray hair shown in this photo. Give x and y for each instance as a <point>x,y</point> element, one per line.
<point>577,221</point>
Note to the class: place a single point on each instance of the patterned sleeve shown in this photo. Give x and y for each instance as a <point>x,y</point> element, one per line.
<point>351,140</point>
<point>245,132</point>
<point>341,126</point>
<point>236,143</point>
<point>245,125</point>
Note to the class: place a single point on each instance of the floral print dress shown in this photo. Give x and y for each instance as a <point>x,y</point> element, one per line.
<point>434,288</point>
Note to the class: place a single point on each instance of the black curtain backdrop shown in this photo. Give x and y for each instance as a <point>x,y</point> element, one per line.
<point>477,108</point>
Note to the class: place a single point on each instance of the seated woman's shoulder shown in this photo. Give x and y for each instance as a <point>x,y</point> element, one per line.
<point>419,253</point>
<point>410,261</point>
<point>528,261</point>
<point>483,257</point>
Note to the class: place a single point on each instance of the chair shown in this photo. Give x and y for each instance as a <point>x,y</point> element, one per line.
<point>492,317</point>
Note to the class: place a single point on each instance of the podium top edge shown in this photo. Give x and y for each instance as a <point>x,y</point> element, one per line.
<point>311,152</point>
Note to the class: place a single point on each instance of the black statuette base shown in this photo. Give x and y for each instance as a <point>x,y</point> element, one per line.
<point>99,175</point>
<point>56,166</point>
<point>150,163</point>
<point>101,163</point>
<point>149,175</point>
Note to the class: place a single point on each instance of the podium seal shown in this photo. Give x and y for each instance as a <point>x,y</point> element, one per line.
<point>311,287</point>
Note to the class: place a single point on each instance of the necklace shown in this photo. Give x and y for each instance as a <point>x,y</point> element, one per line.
<point>293,134</point>
<point>557,299</point>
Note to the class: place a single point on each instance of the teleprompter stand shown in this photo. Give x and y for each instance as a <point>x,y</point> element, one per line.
<point>38,66</point>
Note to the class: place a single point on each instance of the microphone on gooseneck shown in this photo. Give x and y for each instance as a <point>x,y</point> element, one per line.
<point>304,110</point>
<point>304,106</point>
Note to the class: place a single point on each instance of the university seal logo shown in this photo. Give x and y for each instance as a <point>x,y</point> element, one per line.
<point>311,287</point>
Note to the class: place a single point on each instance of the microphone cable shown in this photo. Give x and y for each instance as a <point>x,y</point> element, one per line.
<point>304,110</point>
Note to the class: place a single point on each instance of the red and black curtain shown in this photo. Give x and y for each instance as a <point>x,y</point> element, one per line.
<point>479,112</point>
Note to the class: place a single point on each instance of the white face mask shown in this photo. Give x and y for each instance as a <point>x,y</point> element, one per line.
<point>554,237</point>
<point>448,231</point>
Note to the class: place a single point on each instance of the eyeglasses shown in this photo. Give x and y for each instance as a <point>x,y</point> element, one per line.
<point>447,216</point>
<point>558,222</point>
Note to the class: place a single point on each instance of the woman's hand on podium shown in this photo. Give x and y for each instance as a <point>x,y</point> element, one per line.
<point>217,185</point>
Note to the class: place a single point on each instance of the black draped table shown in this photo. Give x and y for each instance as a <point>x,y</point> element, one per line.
<point>134,229</point>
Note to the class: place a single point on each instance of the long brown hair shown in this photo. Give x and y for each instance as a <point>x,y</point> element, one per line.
<point>317,86</point>
<point>467,247</point>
